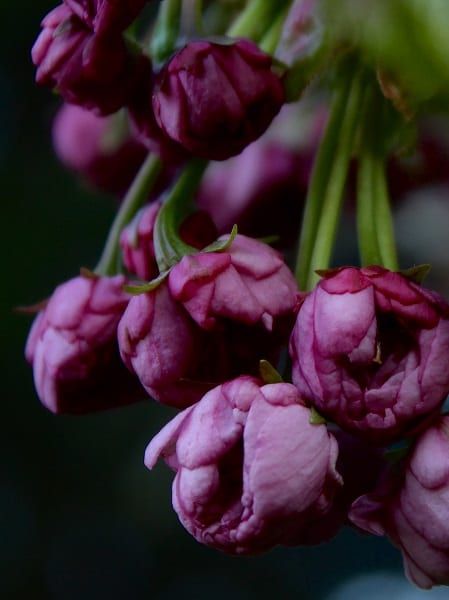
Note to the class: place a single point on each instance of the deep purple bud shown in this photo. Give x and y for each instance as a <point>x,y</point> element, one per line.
<point>99,74</point>
<point>106,17</point>
<point>370,351</point>
<point>251,471</point>
<point>219,315</point>
<point>73,348</point>
<point>214,99</point>
<point>411,507</point>
<point>100,149</point>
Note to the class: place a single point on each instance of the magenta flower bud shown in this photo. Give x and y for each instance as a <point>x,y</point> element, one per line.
<point>176,361</point>
<point>370,351</point>
<point>219,315</point>
<point>99,74</point>
<point>137,239</point>
<point>252,472</point>
<point>171,357</point>
<point>249,283</point>
<point>214,99</point>
<point>260,190</point>
<point>73,348</point>
<point>411,507</point>
<point>91,146</point>
<point>106,17</point>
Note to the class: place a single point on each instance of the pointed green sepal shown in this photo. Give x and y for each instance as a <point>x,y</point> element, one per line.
<point>268,373</point>
<point>88,274</point>
<point>416,274</point>
<point>222,245</point>
<point>316,418</point>
<point>136,290</point>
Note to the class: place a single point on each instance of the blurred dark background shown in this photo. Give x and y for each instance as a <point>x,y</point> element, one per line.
<point>80,516</point>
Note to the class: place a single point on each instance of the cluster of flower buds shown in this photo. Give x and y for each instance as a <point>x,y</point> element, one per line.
<point>197,318</point>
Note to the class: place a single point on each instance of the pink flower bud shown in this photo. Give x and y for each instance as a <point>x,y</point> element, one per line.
<point>219,315</point>
<point>90,146</point>
<point>73,348</point>
<point>106,17</point>
<point>167,352</point>
<point>99,74</point>
<point>251,471</point>
<point>411,507</point>
<point>370,350</point>
<point>249,283</point>
<point>214,99</point>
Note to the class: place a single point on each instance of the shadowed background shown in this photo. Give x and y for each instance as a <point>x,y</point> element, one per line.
<point>80,516</point>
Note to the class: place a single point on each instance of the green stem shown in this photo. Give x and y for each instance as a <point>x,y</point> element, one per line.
<point>333,200</point>
<point>384,219</point>
<point>137,195</point>
<point>270,40</point>
<point>318,184</point>
<point>255,19</point>
<point>166,30</point>
<point>366,207</point>
<point>169,248</point>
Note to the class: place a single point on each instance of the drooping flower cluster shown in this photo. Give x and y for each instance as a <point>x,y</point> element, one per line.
<point>201,324</point>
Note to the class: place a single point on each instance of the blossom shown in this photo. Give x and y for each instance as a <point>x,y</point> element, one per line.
<point>251,470</point>
<point>249,283</point>
<point>215,318</point>
<point>106,17</point>
<point>73,348</point>
<point>411,507</point>
<point>214,99</point>
<point>99,74</point>
<point>91,146</point>
<point>370,351</point>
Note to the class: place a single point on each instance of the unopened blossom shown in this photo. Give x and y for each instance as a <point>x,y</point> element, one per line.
<point>137,244</point>
<point>252,472</point>
<point>411,507</point>
<point>73,348</point>
<point>260,190</point>
<point>216,98</point>
<point>99,74</point>
<point>370,351</point>
<point>218,315</point>
<point>100,149</point>
<point>106,17</point>
<point>249,283</point>
<point>175,361</point>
